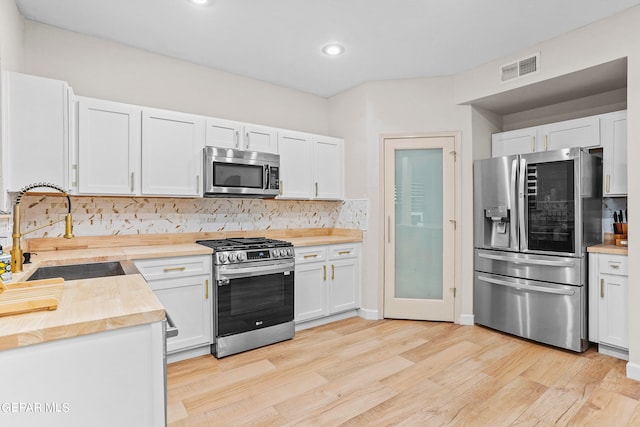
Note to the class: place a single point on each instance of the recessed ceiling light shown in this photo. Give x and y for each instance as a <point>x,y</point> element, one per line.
<point>201,2</point>
<point>333,49</point>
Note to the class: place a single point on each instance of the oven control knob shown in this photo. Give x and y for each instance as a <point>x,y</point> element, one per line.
<point>232,257</point>
<point>277,253</point>
<point>242,256</point>
<point>290,252</point>
<point>222,258</point>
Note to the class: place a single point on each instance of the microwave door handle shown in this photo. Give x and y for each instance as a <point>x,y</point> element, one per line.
<point>522,205</point>
<point>266,178</point>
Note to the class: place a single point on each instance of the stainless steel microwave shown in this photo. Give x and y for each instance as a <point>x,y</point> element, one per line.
<point>238,173</point>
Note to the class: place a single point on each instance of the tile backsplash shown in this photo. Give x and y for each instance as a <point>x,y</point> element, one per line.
<point>100,216</point>
<point>609,206</point>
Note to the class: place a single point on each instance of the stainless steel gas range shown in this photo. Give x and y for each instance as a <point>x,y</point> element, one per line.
<point>253,293</point>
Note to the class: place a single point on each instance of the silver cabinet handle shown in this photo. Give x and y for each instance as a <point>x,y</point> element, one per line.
<point>522,204</point>
<point>197,184</point>
<point>548,263</point>
<point>237,138</point>
<point>247,141</point>
<point>525,287</point>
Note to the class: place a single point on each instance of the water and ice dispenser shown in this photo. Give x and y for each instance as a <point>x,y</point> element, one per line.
<point>496,226</point>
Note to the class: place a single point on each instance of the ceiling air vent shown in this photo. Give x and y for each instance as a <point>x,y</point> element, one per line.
<point>520,68</point>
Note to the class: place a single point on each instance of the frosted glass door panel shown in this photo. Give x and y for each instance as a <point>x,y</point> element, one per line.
<point>419,223</point>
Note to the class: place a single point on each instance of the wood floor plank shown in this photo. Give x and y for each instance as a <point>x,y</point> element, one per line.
<point>359,372</point>
<point>605,408</point>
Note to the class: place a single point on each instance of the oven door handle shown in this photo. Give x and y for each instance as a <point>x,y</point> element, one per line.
<point>225,277</point>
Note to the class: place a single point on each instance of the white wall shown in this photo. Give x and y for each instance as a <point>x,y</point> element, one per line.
<point>99,68</point>
<point>412,106</point>
<point>595,44</point>
<point>11,40</point>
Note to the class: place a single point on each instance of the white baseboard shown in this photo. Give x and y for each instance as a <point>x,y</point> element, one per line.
<point>368,314</point>
<point>633,371</point>
<point>467,319</point>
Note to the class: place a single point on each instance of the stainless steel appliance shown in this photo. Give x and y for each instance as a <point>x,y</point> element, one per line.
<point>237,173</point>
<point>534,216</point>
<point>253,293</point>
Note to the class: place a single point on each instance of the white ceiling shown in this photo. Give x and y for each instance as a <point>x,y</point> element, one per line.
<point>280,41</point>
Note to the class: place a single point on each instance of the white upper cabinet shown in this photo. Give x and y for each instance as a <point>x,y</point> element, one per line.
<point>260,138</point>
<point>614,153</point>
<point>223,133</point>
<point>328,168</point>
<point>514,142</point>
<point>583,132</point>
<point>108,147</point>
<point>172,147</point>
<point>36,113</point>
<point>130,150</point>
<point>296,172</point>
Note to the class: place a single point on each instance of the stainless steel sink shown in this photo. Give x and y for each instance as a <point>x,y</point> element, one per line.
<point>84,271</point>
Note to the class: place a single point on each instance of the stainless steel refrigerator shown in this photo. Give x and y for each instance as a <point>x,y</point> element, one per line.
<point>535,214</point>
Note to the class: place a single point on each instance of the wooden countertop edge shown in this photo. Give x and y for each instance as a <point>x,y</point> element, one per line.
<point>53,333</point>
<point>129,240</point>
<point>608,248</point>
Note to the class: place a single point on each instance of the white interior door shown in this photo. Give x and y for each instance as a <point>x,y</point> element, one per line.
<point>420,228</point>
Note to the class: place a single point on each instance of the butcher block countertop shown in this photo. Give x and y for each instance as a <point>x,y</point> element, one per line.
<point>94,305</point>
<point>608,248</point>
<point>86,306</point>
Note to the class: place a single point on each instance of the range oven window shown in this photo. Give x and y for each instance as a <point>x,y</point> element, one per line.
<point>250,303</point>
<point>551,207</point>
<point>237,175</point>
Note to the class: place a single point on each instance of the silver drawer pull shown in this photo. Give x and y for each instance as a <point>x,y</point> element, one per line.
<point>168,269</point>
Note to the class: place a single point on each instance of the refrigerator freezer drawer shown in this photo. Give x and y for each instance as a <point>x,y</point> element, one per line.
<point>546,268</point>
<point>544,312</point>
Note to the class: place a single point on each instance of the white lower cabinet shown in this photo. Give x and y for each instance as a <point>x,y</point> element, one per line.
<point>608,308</point>
<point>183,286</point>
<point>327,281</point>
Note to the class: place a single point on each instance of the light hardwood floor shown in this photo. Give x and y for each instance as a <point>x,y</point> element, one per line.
<point>403,373</point>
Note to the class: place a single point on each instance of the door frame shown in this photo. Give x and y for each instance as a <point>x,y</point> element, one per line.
<point>381,223</point>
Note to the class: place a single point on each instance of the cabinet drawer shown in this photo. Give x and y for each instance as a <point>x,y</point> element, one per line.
<point>613,264</point>
<point>166,268</point>
<point>343,251</point>
<point>310,254</point>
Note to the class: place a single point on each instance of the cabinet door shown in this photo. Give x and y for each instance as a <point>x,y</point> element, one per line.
<point>296,167</point>
<point>260,138</point>
<point>108,147</point>
<point>328,168</point>
<point>343,289</point>
<point>613,311</point>
<point>614,153</point>
<point>188,301</point>
<point>223,133</point>
<point>172,146</point>
<point>584,132</point>
<point>35,128</point>
<point>310,294</point>
<point>519,141</point>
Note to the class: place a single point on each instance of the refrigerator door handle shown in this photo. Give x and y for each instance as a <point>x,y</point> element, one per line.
<point>548,263</point>
<point>523,287</point>
<point>522,205</point>
<point>514,243</point>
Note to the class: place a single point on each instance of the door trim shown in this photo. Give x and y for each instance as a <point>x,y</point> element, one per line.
<point>381,220</point>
